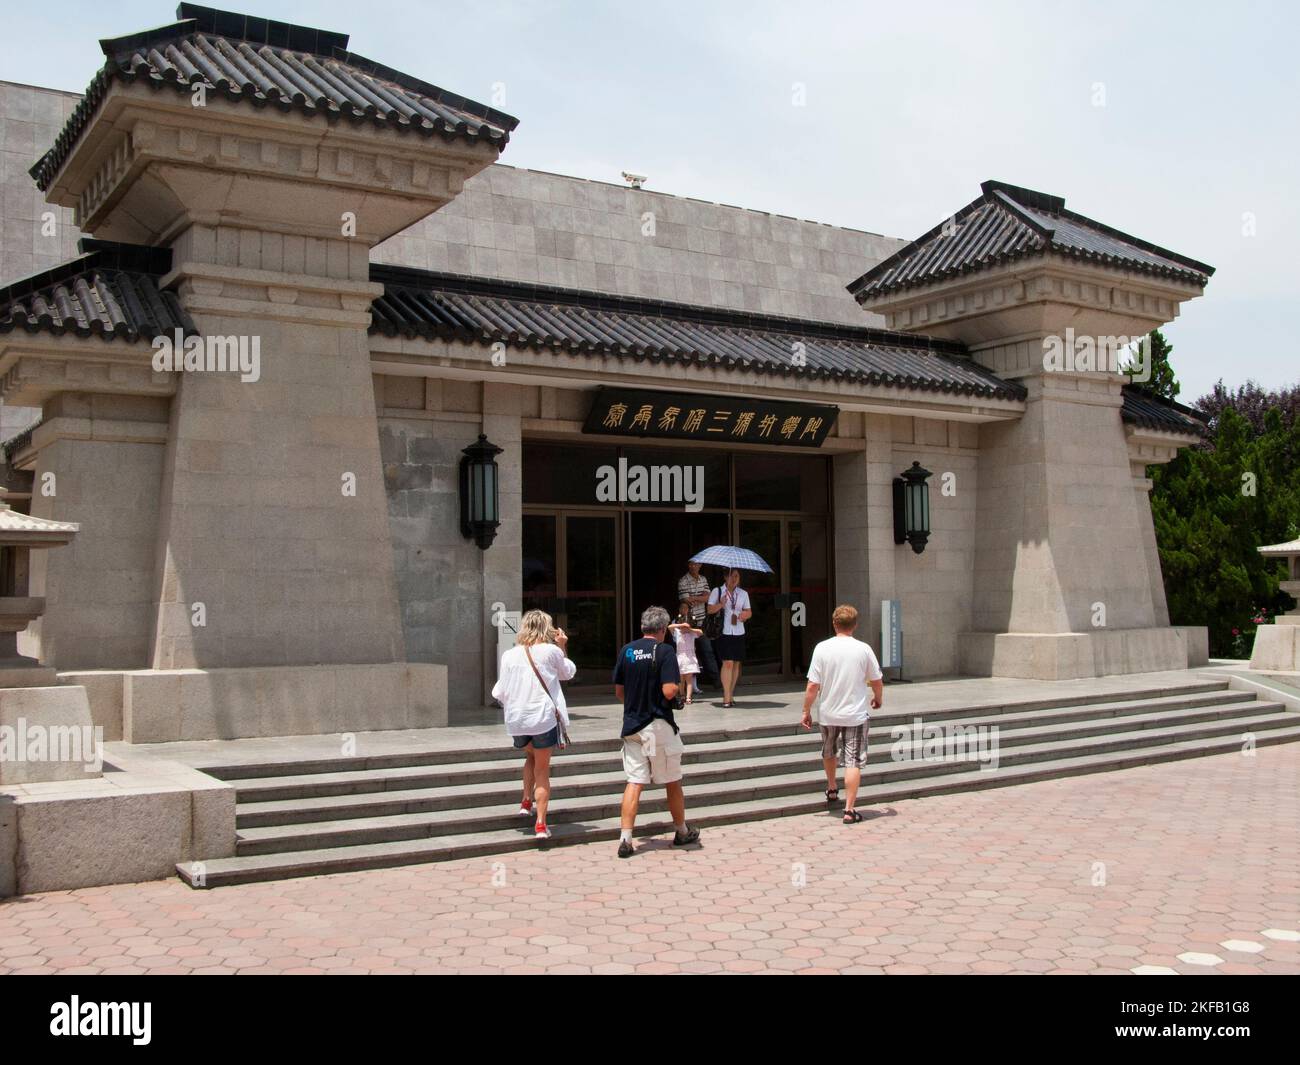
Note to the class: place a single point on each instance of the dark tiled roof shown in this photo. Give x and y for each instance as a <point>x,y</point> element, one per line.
<point>1143,409</point>
<point>293,68</point>
<point>1008,223</point>
<point>418,303</point>
<point>18,441</point>
<point>110,291</point>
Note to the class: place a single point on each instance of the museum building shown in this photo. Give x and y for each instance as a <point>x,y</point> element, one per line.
<point>401,367</point>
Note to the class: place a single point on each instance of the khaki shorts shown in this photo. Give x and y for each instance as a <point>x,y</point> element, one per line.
<point>653,755</point>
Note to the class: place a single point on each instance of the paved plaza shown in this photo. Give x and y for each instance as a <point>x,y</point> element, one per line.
<point>1190,867</point>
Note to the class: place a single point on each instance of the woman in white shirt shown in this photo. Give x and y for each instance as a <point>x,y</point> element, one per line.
<point>528,686</point>
<point>730,646</point>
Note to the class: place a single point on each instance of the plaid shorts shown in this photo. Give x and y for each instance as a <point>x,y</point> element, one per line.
<point>847,744</point>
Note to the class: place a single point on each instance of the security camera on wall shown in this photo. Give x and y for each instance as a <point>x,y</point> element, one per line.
<point>633,179</point>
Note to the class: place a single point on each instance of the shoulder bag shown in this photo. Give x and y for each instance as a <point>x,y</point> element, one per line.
<point>713,622</point>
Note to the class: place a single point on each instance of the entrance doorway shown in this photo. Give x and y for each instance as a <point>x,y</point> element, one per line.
<point>572,570</point>
<point>659,543</point>
<point>596,566</point>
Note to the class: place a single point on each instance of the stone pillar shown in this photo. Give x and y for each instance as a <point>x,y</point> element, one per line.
<point>1058,531</point>
<point>881,549</point>
<point>1147,530</point>
<point>273,522</point>
<point>1277,646</point>
<point>1066,576</point>
<point>97,461</point>
<point>274,601</point>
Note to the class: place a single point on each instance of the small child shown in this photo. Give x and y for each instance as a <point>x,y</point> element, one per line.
<point>685,633</point>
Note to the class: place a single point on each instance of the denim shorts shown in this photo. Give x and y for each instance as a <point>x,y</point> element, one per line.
<point>540,743</point>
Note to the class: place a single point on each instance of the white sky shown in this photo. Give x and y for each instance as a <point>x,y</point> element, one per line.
<point>909,106</point>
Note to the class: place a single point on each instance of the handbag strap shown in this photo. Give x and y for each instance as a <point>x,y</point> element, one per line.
<point>537,673</point>
<point>559,718</point>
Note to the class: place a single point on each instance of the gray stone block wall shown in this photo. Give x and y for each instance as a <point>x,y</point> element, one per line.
<point>525,225</point>
<point>30,119</point>
<point>446,584</point>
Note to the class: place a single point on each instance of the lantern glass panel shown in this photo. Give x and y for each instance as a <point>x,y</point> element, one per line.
<point>489,504</point>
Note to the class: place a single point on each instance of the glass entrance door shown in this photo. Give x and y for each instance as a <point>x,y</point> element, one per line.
<point>765,630</point>
<point>572,571</point>
<point>596,566</point>
<point>791,605</point>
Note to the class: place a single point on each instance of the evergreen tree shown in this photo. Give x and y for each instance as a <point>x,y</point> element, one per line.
<point>1162,382</point>
<point>1217,502</point>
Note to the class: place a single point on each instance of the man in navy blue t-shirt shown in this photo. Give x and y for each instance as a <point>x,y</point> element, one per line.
<point>646,680</point>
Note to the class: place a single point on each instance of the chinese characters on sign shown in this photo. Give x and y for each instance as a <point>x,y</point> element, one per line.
<point>726,419</point>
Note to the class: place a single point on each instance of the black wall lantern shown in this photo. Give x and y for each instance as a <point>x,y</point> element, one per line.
<point>480,512</point>
<point>912,508</point>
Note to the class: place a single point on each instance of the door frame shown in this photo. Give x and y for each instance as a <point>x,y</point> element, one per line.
<point>624,555</point>
<point>561,516</point>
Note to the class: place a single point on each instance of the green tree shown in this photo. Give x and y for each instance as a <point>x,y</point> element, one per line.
<point>1213,506</point>
<point>1162,382</point>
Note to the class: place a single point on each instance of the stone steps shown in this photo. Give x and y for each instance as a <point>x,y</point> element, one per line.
<point>700,733</point>
<point>737,780</point>
<point>706,762</point>
<point>339,780</point>
<point>341,815</point>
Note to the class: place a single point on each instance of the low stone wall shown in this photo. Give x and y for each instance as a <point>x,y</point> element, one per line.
<point>132,824</point>
<point>160,706</point>
<point>1073,655</point>
<point>47,735</point>
<point>1277,646</point>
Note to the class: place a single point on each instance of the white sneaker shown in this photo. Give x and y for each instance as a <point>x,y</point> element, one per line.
<point>542,832</point>
<point>525,811</point>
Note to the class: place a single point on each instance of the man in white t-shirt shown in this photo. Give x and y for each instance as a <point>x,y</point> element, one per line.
<point>840,672</point>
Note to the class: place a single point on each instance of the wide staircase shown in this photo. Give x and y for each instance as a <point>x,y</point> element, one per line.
<point>306,818</point>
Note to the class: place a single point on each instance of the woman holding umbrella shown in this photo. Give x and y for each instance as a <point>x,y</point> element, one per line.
<point>733,601</point>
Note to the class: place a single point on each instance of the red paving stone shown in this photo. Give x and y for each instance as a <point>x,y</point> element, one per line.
<point>1000,881</point>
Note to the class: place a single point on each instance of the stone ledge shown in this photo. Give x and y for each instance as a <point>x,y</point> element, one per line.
<point>1276,647</point>
<point>158,706</point>
<point>1073,655</point>
<point>128,826</point>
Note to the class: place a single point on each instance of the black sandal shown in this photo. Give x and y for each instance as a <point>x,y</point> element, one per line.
<point>852,817</point>
<point>832,794</point>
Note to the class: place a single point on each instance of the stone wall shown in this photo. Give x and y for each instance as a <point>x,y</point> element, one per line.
<point>446,584</point>
<point>106,456</point>
<point>30,119</point>
<point>526,225</point>
<point>936,586</point>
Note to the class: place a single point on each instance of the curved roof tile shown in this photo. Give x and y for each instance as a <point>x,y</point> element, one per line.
<point>418,303</point>
<point>264,63</point>
<point>1008,223</point>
